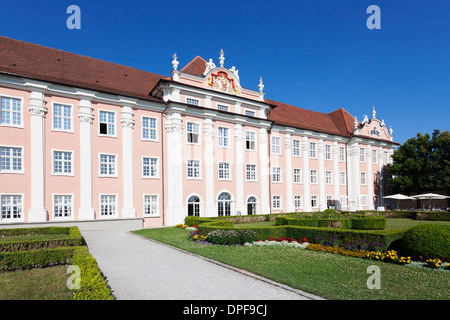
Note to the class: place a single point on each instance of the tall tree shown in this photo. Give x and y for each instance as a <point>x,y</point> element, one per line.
<point>422,164</point>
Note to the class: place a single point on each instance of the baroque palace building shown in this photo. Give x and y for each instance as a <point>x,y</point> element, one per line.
<point>84,140</point>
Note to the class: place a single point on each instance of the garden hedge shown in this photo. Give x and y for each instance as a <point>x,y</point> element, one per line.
<point>359,222</point>
<point>70,236</point>
<point>427,241</point>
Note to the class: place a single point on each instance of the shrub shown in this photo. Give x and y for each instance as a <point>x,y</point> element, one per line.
<point>427,241</point>
<point>232,237</point>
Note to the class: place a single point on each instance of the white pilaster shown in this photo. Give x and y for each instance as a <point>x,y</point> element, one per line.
<point>370,185</point>
<point>86,116</point>
<point>306,176</point>
<point>353,176</point>
<point>175,178</point>
<point>128,210</point>
<point>336,175</point>
<point>239,165</point>
<point>264,171</point>
<point>322,196</point>
<point>37,110</point>
<point>208,160</point>
<point>289,185</point>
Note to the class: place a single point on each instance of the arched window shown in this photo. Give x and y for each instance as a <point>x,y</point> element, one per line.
<point>194,206</point>
<point>224,204</point>
<point>251,205</point>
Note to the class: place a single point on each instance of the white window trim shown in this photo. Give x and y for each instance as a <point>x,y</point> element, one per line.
<point>21,112</point>
<point>199,143</point>
<point>317,201</point>
<point>299,148</point>
<point>142,129</point>
<point>72,215</point>
<point>345,178</point>
<point>364,196</point>
<point>116,214</point>
<point>331,176</point>
<point>229,171</point>
<point>301,201</point>
<point>72,165</point>
<point>301,175</point>
<point>315,150</point>
<point>192,98</point>
<point>158,214</point>
<point>272,144</point>
<point>255,141</point>
<point>360,178</point>
<point>22,218</point>
<point>343,153</point>
<point>331,152</point>
<point>281,202</point>
<point>22,170</point>
<point>317,176</point>
<point>223,105</point>
<point>256,172</point>
<point>116,171</point>
<point>229,137</point>
<point>71,117</point>
<point>281,174</point>
<point>363,154</point>
<point>116,127</point>
<point>157,165</point>
<point>199,170</point>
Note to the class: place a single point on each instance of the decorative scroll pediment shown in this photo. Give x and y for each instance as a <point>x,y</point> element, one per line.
<point>222,82</point>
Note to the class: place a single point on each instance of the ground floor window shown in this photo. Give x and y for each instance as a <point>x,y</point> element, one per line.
<point>62,206</point>
<point>224,204</point>
<point>194,206</point>
<point>108,205</point>
<point>151,205</point>
<point>11,206</point>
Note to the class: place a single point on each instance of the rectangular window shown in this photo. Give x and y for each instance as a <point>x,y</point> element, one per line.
<point>224,171</point>
<point>276,174</point>
<point>250,140</point>
<point>11,111</point>
<point>276,145</point>
<point>149,129</point>
<point>251,172</point>
<point>276,202</point>
<point>343,201</point>
<point>314,201</point>
<point>224,139</point>
<point>108,165</point>
<point>150,168</point>
<point>297,202</point>
<point>342,178</point>
<point>313,176</point>
<point>250,113</point>
<point>11,159</point>
<point>328,177</point>
<point>328,152</point>
<point>62,162</point>
<point>107,123</point>
<point>11,207</point>
<point>385,157</point>
<point>62,117</point>
<point>341,154</point>
<point>222,107</point>
<point>296,150</point>
<point>364,200</point>
<point>193,169</point>
<point>362,154</point>
<point>374,156</point>
<point>297,175</point>
<point>312,150</point>
<point>193,102</point>
<point>108,205</point>
<point>192,130</point>
<point>151,205</point>
<point>363,178</point>
<point>62,206</point>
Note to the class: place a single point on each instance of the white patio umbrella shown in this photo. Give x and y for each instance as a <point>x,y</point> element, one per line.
<point>399,196</point>
<point>430,196</point>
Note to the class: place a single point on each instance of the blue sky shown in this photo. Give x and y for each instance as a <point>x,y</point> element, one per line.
<point>313,54</point>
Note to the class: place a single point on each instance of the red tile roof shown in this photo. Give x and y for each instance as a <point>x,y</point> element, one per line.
<point>196,67</point>
<point>47,64</point>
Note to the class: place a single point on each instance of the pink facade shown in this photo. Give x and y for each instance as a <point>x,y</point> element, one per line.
<point>199,144</point>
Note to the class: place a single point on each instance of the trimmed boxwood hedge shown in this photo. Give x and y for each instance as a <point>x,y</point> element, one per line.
<point>73,238</point>
<point>359,222</point>
<point>427,241</point>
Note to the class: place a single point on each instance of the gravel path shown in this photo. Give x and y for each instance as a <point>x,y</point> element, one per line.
<point>137,268</point>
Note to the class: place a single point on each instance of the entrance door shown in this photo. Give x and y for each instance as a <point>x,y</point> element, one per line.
<point>194,206</point>
<point>251,205</point>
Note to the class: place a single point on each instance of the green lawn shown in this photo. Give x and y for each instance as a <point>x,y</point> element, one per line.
<point>35,284</point>
<point>327,275</point>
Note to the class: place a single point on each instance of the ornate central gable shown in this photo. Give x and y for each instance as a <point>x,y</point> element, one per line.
<point>373,128</point>
<point>222,82</point>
